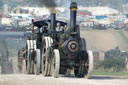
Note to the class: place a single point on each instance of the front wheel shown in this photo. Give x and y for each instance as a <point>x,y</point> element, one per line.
<point>37,62</point>
<point>79,71</point>
<point>89,65</point>
<point>56,63</point>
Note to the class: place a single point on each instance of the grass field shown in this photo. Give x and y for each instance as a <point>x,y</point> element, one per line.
<point>124,37</point>
<point>111,73</point>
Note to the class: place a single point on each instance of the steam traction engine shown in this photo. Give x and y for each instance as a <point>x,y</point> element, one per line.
<point>53,52</point>
<point>66,51</point>
<point>29,56</point>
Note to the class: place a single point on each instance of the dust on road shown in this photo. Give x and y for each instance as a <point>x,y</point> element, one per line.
<point>22,79</point>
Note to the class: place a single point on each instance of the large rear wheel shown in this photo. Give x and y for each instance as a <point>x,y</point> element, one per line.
<point>49,54</point>
<point>44,56</point>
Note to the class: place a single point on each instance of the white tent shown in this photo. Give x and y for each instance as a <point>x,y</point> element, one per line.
<point>97,11</point>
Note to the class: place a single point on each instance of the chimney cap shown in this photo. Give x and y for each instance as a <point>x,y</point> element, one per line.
<point>73,5</point>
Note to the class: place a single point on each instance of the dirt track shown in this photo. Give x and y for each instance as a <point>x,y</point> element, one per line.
<point>21,79</point>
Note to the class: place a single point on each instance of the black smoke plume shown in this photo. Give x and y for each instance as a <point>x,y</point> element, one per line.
<point>50,4</point>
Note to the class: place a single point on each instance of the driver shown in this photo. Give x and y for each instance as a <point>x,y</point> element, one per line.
<point>59,27</point>
<point>45,29</point>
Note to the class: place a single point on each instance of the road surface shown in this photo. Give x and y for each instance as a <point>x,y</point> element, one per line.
<point>22,79</point>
